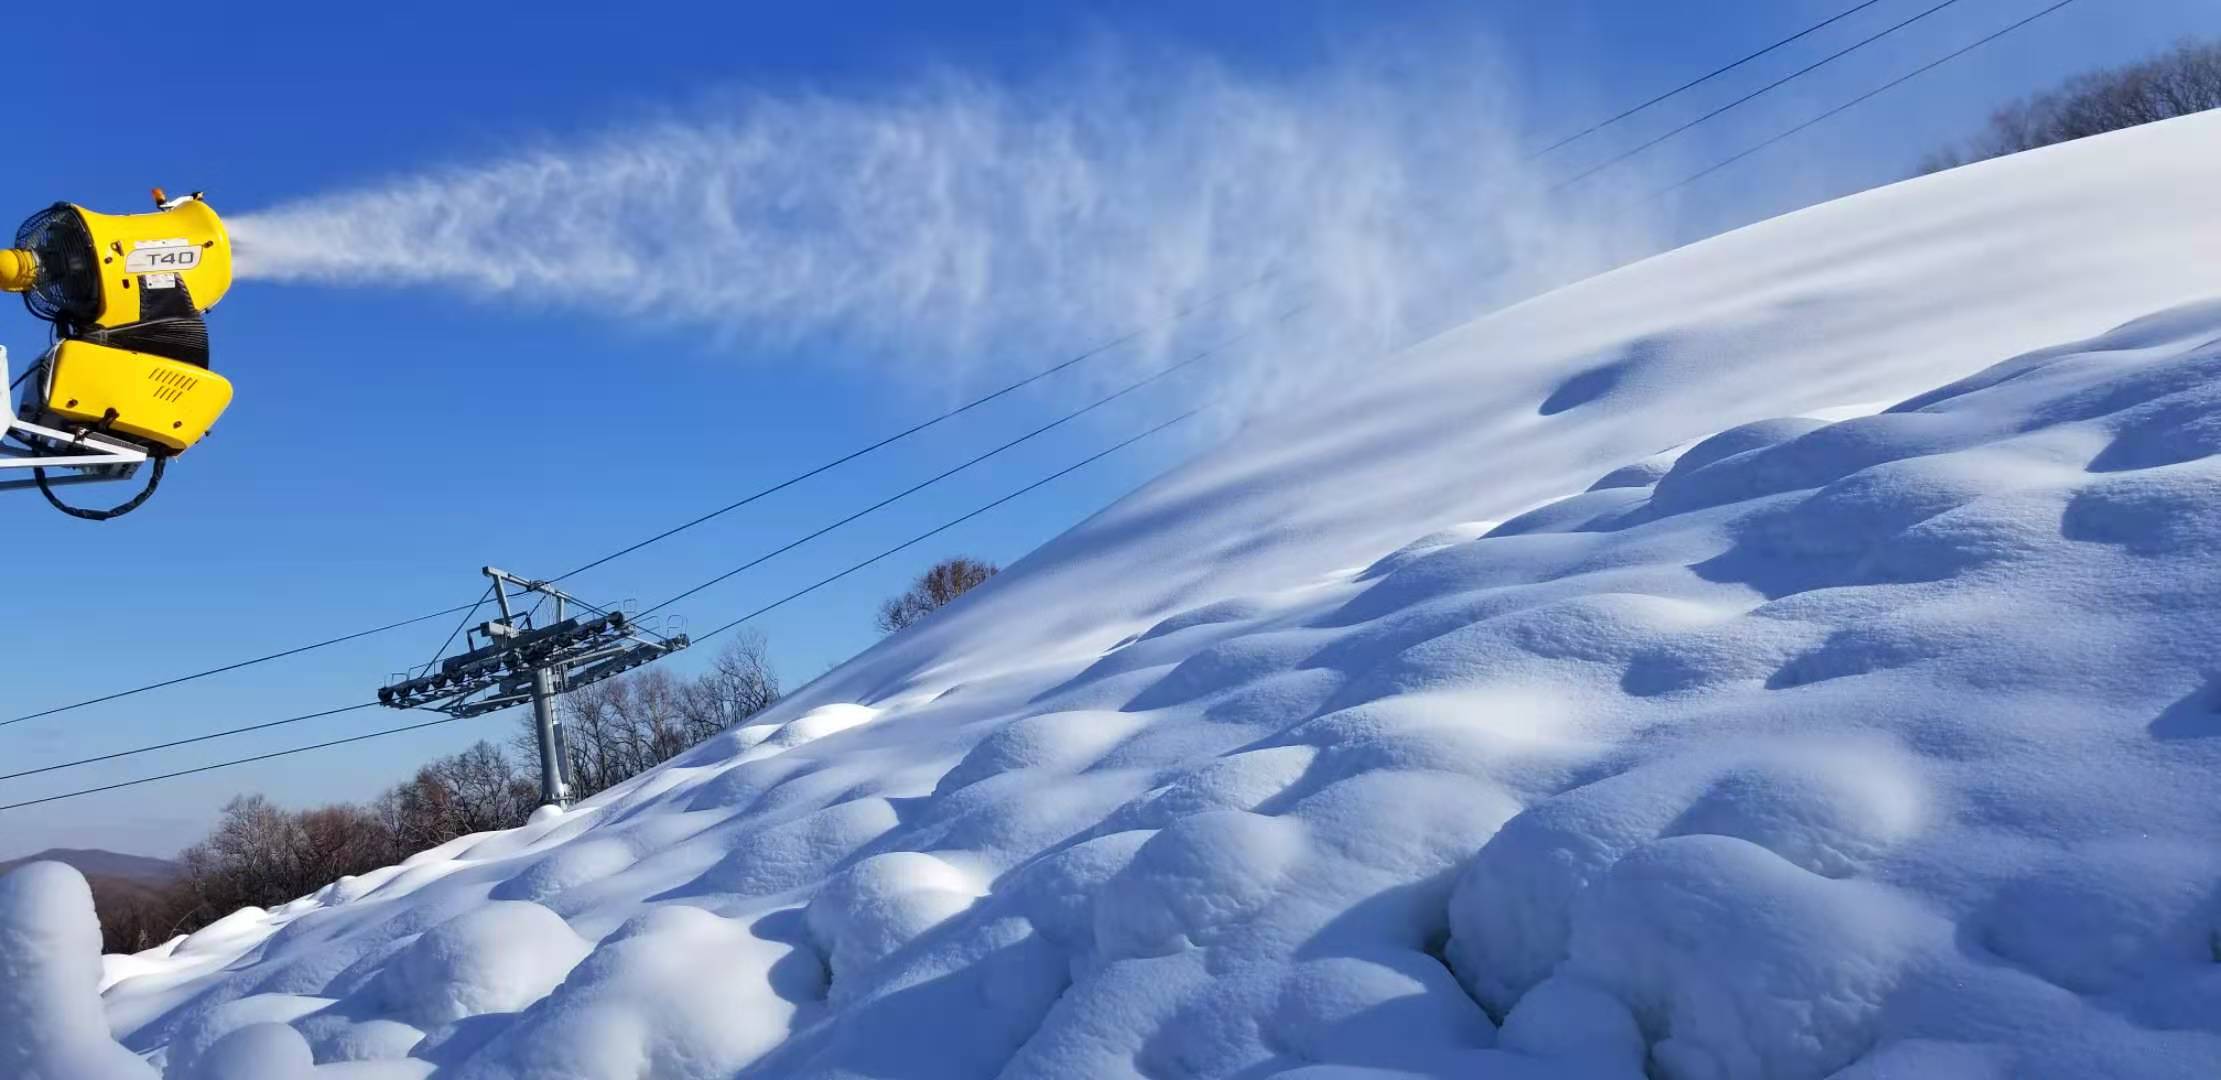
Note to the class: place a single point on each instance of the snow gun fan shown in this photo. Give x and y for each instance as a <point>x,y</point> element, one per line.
<point>127,381</point>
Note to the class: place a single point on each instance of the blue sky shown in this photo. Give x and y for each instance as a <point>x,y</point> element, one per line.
<point>387,441</point>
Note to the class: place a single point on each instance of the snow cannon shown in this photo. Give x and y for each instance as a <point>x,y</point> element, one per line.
<point>127,380</point>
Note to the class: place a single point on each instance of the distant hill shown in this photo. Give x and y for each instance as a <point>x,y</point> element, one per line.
<point>134,895</point>
<point>114,866</point>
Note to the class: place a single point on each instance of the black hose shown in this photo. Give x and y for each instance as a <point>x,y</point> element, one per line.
<point>154,480</point>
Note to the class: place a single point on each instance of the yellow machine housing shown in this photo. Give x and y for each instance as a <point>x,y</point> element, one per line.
<point>187,240</point>
<point>127,293</point>
<point>127,383</point>
<point>147,398</point>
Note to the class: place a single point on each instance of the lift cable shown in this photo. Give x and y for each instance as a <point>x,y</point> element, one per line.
<point>1747,98</point>
<point>1705,78</point>
<point>173,744</point>
<point>227,764</point>
<point>937,478</point>
<point>782,485</point>
<point>451,635</point>
<point>946,526</point>
<point>295,651</point>
<point>1099,350</point>
<point>920,538</point>
<point>914,429</point>
<point>1861,99</point>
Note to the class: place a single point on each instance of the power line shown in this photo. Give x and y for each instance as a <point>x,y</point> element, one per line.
<point>909,491</point>
<point>1058,367</point>
<point>922,537</point>
<point>946,526</point>
<point>930,481</point>
<point>1862,98</point>
<point>1182,313</point>
<point>1060,473</point>
<point>437,653</point>
<point>782,485</point>
<point>914,429</point>
<point>186,742</point>
<point>921,485</point>
<point>1705,78</point>
<point>1193,358</point>
<point>227,764</point>
<point>236,666</point>
<point>1761,91</point>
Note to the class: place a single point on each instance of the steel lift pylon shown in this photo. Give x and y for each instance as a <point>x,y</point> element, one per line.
<point>521,662</point>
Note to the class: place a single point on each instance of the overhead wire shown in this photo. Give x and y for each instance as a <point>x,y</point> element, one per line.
<point>119,785</point>
<point>967,406</point>
<point>451,635</point>
<point>1037,376</point>
<point>1704,78</point>
<point>1771,140</point>
<point>952,523</point>
<point>1747,98</point>
<point>920,538</point>
<point>1114,343</point>
<point>279,655</point>
<point>175,743</point>
<point>921,485</point>
<point>1861,99</point>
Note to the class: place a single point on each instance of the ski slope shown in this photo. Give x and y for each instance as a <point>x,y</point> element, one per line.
<point>1794,655</point>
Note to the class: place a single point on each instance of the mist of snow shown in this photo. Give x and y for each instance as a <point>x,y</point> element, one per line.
<point>954,216</point>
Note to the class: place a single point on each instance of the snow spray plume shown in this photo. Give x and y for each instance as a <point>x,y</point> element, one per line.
<point>959,220</point>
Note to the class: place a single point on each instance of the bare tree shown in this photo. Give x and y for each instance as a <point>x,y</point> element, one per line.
<point>137,919</point>
<point>739,684</point>
<point>658,721</point>
<point>597,732</point>
<point>243,859</point>
<point>474,791</point>
<point>941,583</point>
<point>331,842</point>
<point>2183,80</point>
<point>486,789</point>
<point>622,727</point>
<point>262,854</point>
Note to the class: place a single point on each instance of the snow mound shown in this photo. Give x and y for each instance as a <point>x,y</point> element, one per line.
<point>1607,688</point>
<point>865,913</point>
<point>676,992</point>
<point>51,1027</point>
<point>497,958</point>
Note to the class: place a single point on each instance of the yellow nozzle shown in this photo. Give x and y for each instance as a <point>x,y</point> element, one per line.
<point>19,270</point>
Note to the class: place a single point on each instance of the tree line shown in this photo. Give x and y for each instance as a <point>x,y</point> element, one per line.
<point>2186,79</point>
<point>261,854</point>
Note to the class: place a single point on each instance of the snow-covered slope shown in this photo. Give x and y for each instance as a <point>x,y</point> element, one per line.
<point>1791,655</point>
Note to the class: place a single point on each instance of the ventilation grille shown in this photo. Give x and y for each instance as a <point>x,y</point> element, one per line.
<point>172,385</point>
<point>183,338</point>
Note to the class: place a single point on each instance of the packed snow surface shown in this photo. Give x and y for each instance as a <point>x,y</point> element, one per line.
<point>1795,655</point>
<point>51,1026</point>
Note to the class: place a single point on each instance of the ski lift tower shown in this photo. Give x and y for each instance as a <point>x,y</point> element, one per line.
<point>522,662</point>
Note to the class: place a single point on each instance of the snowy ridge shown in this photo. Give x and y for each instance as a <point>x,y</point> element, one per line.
<point>1866,746</point>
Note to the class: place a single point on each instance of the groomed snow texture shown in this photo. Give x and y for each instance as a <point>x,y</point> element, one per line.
<point>1797,655</point>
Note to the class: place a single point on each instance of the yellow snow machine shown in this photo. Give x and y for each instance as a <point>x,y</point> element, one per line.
<point>126,382</point>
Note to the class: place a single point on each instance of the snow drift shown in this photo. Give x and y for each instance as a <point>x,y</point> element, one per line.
<point>1790,656</point>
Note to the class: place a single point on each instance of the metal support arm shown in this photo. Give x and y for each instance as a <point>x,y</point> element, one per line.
<point>107,459</point>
